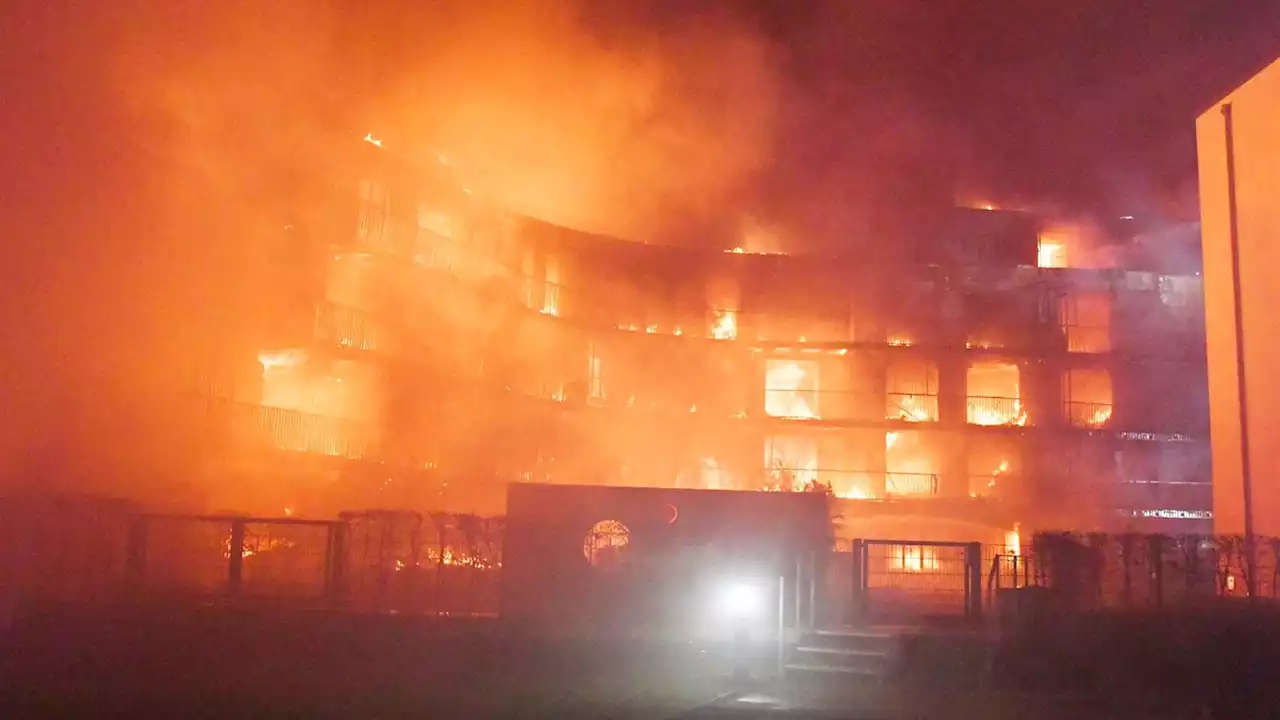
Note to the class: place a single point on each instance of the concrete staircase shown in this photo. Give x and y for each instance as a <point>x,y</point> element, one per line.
<point>868,653</point>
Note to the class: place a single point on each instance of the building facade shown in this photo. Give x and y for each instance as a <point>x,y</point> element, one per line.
<point>955,387</point>
<point>1238,143</point>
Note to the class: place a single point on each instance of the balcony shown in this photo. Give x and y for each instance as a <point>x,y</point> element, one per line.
<point>994,411</point>
<point>293,431</point>
<point>1090,415</point>
<point>345,326</point>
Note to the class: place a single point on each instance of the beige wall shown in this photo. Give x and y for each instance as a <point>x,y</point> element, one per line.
<point>1256,118</point>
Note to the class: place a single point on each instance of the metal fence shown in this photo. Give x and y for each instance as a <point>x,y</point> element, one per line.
<point>92,551</point>
<point>1133,570</point>
<point>898,582</point>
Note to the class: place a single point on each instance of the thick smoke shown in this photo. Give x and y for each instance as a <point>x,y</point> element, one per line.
<point>630,133</point>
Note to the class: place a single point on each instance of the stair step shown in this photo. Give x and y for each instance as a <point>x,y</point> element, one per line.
<point>856,633</point>
<point>852,652</point>
<point>833,669</point>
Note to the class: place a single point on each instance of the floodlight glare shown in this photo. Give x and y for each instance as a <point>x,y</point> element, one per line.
<point>739,600</point>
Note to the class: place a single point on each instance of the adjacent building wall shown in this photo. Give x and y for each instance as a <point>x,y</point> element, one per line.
<point>1256,138</point>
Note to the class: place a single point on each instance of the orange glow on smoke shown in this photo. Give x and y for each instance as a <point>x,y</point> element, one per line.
<point>994,395</point>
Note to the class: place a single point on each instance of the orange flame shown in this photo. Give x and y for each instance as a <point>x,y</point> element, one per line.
<point>725,325</point>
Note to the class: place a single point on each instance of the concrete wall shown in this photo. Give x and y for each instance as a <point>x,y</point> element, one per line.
<point>1256,113</point>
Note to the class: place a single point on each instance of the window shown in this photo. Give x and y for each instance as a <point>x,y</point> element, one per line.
<point>551,288</point>
<point>912,558</point>
<point>723,324</point>
<point>1085,320</point>
<point>791,389</point>
<point>911,465</point>
<point>791,462</point>
<point>595,378</point>
<point>993,465</point>
<point>1086,393</point>
<point>993,395</point>
<point>911,391</point>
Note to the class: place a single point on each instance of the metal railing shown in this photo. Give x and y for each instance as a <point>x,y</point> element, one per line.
<point>346,326</point>
<point>1134,570</point>
<point>995,411</point>
<point>1088,414</point>
<point>293,430</point>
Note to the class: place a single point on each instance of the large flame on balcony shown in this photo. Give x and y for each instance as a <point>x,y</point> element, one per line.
<point>1013,540</point>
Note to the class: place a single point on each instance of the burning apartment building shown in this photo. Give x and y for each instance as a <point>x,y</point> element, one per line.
<point>958,383</point>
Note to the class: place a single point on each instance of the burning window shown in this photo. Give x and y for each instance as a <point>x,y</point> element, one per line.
<point>551,288</point>
<point>993,395</point>
<point>791,388</point>
<point>312,406</point>
<point>791,461</point>
<point>1058,245</point>
<point>724,324</point>
<point>1051,253</point>
<point>292,380</point>
<point>911,467</point>
<point>993,462</point>
<point>1085,319</point>
<point>911,391</point>
<point>912,558</point>
<point>1088,398</point>
<point>595,378</point>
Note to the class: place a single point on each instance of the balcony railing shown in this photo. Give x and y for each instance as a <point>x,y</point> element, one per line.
<point>295,431</point>
<point>345,326</point>
<point>911,407</point>
<point>910,484</point>
<point>995,411</point>
<point>1088,414</point>
<point>857,484</point>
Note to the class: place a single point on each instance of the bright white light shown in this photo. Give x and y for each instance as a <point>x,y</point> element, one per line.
<point>738,600</point>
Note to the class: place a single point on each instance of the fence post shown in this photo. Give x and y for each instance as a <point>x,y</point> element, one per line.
<point>235,559</point>
<point>813,589</point>
<point>1155,556</point>
<point>857,606</point>
<point>1126,555</point>
<point>973,580</point>
<point>799,592</point>
<point>782,625</point>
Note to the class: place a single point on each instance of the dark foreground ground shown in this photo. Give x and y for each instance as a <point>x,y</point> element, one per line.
<point>215,663</point>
